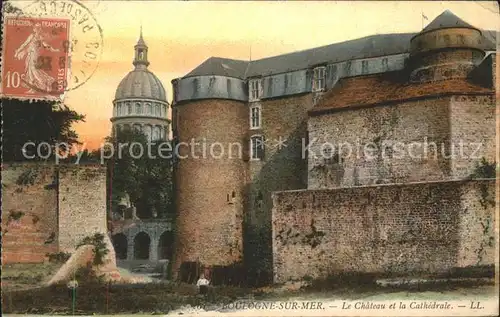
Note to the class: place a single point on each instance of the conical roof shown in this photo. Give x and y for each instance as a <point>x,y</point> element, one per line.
<point>447,20</point>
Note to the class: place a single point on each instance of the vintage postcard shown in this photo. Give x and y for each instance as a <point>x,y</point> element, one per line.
<point>250,158</point>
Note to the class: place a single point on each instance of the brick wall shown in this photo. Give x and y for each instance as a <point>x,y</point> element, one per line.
<point>403,229</point>
<point>391,131</point>
<point>27,237</point>
<point>208,226</point>
<point>472,121</point>
<point>283,168</point>
<point>82,203</point>
<point>56,207</point>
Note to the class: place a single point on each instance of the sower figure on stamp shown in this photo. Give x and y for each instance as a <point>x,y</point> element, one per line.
<point>202,284</point>
<point>34,74</point>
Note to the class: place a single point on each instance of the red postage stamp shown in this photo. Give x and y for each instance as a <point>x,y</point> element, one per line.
<point>35,57</point>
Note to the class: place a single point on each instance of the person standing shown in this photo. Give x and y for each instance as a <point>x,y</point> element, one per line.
<point>202,284</point>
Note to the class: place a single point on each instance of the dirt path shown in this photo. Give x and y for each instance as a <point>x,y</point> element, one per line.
<point>321,304</point>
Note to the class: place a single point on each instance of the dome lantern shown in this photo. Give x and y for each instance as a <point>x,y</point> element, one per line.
<point>141,53</point>
<point>141,82</point>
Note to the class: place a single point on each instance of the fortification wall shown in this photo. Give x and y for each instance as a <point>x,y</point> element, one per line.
<point>48,208</point>
<point>284,167</point>
<point>209,182</point>
<point>397,229</point>
<point>29,212</point>
<point>378,145</point>
<point>82,203</point>
<point>472,132</point>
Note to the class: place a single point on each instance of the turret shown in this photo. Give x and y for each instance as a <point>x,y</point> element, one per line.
<point>447,48</point>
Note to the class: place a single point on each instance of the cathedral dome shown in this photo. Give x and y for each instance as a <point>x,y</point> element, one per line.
<point>141,83</point>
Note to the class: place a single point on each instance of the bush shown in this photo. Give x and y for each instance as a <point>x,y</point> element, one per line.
<point>100,249</point>
<point>484,169</point>
<point>86,275</point>
<point>59,257</point>
<point>343,280</point>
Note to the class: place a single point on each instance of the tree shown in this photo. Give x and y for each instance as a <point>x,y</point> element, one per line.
<point>146,179</point>
<point>37,122</point>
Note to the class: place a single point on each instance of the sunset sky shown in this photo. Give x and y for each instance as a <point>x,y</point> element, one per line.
<point>183,34</point>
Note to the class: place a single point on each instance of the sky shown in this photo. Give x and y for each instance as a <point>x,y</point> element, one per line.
<point>182,34</point>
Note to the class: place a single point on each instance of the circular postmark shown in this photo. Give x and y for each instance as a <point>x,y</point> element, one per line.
<point>71,40</point>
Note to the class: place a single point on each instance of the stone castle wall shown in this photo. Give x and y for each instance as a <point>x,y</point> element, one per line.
<point>82,204</point>
<point>209,185</point>
<point>472,131</point>
<point>406,228</point>
<point>282,168</point>
<point>379,128</point>
<point>29,212</point>
<point>425,140</point>
<point>46,210</point>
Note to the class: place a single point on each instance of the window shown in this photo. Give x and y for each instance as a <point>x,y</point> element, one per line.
<point>258,201</point>
<point>319,78</point>
<point>147,132</point>
<point>385,64</point>
<point>138,108</point>
<point>157,110</point>
<point>150,108</point>
<point>231,198</point>
<point>257,147</point>
<point>255,117</point>
<point>255,89</point>
<point>129,108</point>
<point>156,133</point>
<point>364,67</point>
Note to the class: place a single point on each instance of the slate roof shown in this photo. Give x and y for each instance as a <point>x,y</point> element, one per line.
<point>483,73</point>
<point>365,47</point>
<point>446,20</point>
<point>363,91</point>
<point>220,66</point>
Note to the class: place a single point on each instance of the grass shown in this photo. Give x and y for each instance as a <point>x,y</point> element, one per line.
<point>161,298</point>
<point>157,298</point>
<point>15,276</point>
<point>352,286</point>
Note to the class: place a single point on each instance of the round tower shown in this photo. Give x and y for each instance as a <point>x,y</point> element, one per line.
<point>447,48</point>
<point>140,99</point>
<point>210,122</point>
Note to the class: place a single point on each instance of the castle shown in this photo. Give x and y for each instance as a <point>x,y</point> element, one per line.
<point>367,155</point>
<point>289,206</point>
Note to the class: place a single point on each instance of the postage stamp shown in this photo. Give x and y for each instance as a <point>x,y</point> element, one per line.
<point>35,57</point>
<point>76,42</point>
